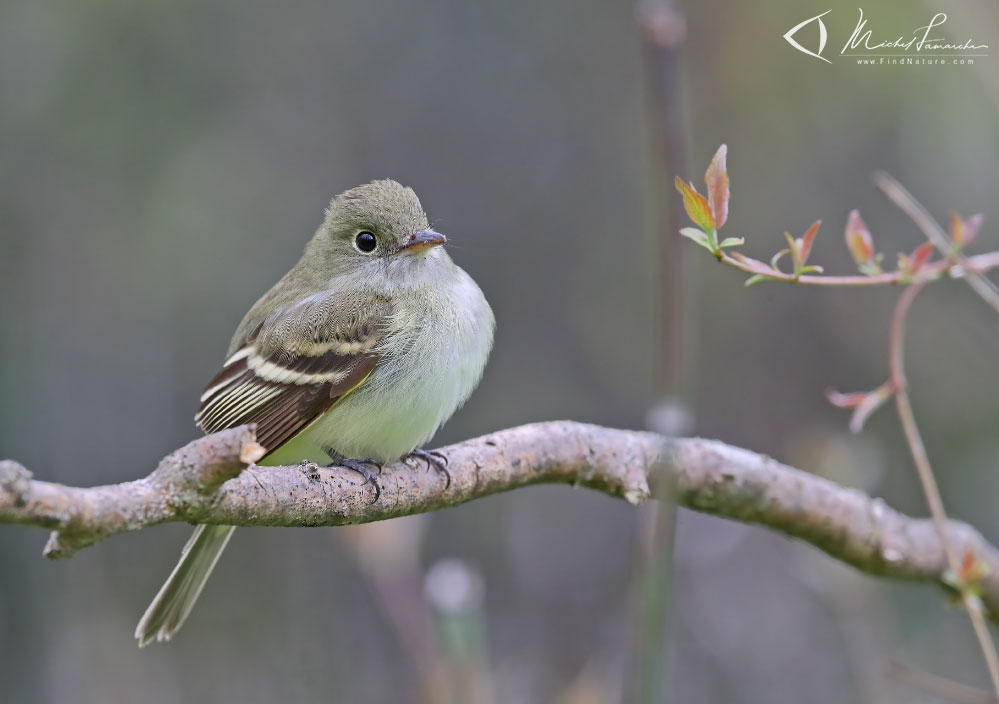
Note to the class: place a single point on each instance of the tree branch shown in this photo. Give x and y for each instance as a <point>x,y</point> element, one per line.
<point>204,482</point>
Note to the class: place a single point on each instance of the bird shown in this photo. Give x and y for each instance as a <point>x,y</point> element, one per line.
<point>356,357</point>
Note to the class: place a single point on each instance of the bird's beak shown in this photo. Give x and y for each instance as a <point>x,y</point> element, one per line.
<point>422,240</point>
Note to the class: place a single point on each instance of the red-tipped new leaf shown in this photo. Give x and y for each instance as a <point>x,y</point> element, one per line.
<point>962,232</point>
<point>956,229</point>
<point>920,256</point>
<point>859,242</point>
<point>850,400</point>
<point>807,239</point>
<point>863,404</point>
<point>718,187</point>
<point>971,226</point>
<point>972,571</point>
<point>753,265</point>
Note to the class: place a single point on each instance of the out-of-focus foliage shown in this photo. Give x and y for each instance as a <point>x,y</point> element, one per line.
<point>162,164</point>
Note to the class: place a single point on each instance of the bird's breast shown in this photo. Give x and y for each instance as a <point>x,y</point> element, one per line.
<point>430,362</point>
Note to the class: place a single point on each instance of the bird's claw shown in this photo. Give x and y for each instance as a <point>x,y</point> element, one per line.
<point>362,468</point>
<point>434,459</point>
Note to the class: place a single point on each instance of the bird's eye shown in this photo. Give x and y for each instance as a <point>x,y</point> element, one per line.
<point>365,242</point>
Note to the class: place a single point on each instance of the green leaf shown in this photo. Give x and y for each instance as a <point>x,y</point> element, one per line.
<point>692,233</point>
<point>777,257</point>
<point>696,205</point>
<point>794,250</point>
<point>732,242</point>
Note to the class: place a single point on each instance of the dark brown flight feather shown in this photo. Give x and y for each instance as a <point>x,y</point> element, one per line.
<point>273,391</point>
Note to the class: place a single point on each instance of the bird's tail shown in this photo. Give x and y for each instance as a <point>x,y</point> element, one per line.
<point>176,598</point>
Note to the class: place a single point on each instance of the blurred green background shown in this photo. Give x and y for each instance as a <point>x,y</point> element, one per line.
<point>163,163</point>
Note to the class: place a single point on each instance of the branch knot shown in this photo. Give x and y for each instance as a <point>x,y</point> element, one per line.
<point>15,483</point>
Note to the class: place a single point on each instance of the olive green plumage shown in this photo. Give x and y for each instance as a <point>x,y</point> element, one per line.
<point>363,350</point>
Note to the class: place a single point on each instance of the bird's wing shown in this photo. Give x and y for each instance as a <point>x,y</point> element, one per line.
<point>295,365</point>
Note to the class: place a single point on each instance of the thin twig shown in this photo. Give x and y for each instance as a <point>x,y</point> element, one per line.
<point>663,30</point>
<point>926,478</point>
<point>977,264</point>
<point>908,204</point>
<point>940,686</point>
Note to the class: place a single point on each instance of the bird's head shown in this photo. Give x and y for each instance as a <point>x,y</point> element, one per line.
<point>378,226</point>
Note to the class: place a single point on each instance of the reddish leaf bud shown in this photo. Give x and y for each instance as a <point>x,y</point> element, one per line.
<point>718,187</point>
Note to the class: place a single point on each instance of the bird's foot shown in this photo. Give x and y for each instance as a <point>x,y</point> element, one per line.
<point>362,467</point>
<point>434,459</point>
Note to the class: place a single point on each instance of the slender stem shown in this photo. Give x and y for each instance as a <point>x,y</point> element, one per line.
<point>977,264</point>
<point>940,686</point>
<point>907,418</point>
<point>926,478</point>
<point>662,28</point>
<point>654,593</point>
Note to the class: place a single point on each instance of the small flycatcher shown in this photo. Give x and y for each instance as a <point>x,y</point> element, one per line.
<point>358,355</point>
